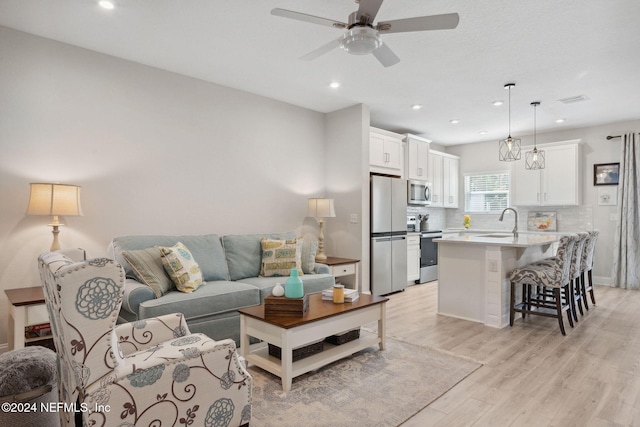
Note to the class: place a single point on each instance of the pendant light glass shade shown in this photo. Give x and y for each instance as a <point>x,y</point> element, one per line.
<point>534,159</point>
<point>509,148</point>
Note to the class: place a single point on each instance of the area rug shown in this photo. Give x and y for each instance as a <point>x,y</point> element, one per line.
<point>370,388</point>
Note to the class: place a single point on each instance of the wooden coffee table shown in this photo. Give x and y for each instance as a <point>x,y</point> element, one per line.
<point>323,319</point>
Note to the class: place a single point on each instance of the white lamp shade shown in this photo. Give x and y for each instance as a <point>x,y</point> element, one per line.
<point>321,208</point>
<point>54,199</point>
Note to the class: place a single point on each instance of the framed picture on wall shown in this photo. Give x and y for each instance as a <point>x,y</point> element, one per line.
<point>606,173</point>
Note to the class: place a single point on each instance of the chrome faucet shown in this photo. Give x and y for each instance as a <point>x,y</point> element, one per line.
<point>515,228</point>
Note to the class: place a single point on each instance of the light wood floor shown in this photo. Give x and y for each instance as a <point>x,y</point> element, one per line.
<point>531,374</point>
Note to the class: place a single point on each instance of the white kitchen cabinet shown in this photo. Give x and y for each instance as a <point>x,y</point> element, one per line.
<point>450,181</point>
<point>413,257</point>
<point>558,184</point>
<point>385,152</point>
<point>417,159</point>
<point>443,173</point>
<point>434,176</point>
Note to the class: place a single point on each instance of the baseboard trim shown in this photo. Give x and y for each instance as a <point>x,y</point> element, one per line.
<point>602,280</point>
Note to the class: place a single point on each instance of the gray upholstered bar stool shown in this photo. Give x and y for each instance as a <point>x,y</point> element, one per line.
<point>574,273</point>
<point>576,263</point>
<point>546,289</point>
<point>586,267</point>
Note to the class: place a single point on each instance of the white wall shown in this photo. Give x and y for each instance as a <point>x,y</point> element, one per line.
<point>347,139</point>
<point>596,149</point>
<point>155,152</point>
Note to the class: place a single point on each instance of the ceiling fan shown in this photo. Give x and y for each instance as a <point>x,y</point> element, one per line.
<point>363,37</point>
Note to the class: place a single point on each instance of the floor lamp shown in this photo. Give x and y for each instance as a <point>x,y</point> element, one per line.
<point>54,199</point>
<point>321,208</point>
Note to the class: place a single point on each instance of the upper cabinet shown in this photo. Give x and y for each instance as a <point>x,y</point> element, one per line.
<point>443,174</point>
<point>417,159</point>
<point>558,184</point>
<point>434,176</point>
<point>385,152</point>
<point>450,172</point>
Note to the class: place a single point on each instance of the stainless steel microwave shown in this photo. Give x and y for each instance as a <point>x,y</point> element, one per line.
<point>418,192</point>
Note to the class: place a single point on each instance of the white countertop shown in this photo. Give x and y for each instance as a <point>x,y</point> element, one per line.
<point>502,231</point>
<point>524,240</point>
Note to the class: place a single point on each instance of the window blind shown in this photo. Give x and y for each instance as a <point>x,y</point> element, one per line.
<point>486,192</point>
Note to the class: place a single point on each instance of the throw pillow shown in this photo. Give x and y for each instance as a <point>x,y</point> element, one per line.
<point>280,256</point>
<point>178,262</point>
<point>147,268</point>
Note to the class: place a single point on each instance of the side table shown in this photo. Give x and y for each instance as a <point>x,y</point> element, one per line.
<point>343,267</point>
<point>26,307</point>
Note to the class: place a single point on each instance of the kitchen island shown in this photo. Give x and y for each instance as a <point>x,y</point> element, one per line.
<point>473,272</point>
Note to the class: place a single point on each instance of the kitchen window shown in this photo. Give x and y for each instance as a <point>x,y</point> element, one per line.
<point>486,192</point>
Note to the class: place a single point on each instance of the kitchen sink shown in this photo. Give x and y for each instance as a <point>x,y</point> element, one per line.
<point>496,236</point>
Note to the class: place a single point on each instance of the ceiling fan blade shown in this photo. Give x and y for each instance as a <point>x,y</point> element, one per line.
<point>307,18</point>
<point>386,56</point>
<point>447,21</point>
<point>321,50</point>
<point>368,10</point>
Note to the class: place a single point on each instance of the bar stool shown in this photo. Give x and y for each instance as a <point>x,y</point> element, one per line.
<point>574,273</point>
<point>547,290</point>
<point>586,267</point>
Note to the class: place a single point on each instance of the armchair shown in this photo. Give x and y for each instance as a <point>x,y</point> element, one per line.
<point>150,372</point>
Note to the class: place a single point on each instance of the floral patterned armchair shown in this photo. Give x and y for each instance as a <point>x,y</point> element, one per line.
<point>151,372</point>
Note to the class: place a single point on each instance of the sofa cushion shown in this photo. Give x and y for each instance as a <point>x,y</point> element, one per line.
<point>210,299</point>
<point>207,249</point>
<point>183,269</point>
<point>243,253</point>
<point>148,269</point>
<point>279,256</point>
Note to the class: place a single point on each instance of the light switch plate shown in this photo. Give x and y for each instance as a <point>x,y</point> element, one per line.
<point>354,219</point>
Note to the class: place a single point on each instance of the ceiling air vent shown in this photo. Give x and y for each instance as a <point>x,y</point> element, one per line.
<point>573,99</point>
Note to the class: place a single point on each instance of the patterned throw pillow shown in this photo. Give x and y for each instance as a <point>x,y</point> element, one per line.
<point>147,267</point>
<point>181,267</point>
<point>280,256</point>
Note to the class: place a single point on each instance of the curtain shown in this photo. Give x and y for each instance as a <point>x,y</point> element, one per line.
<point>626,257</point>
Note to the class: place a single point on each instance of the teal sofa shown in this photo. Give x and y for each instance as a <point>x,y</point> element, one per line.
<point>230,268</point>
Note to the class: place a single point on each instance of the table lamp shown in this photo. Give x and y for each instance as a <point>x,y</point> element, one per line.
<point>54,199</point>
<point>321,208</point>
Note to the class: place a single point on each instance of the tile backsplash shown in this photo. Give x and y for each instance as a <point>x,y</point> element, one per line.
<point>569,219</point>
<point>573,218</point>
<point>437,216</point>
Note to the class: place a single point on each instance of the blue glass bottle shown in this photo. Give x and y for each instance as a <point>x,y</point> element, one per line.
<point>294,288</point>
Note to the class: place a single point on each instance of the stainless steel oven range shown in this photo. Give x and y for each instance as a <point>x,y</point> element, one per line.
<point>429,255</point>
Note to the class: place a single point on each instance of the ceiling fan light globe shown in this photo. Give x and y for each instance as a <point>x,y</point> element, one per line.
<point>361,41</point>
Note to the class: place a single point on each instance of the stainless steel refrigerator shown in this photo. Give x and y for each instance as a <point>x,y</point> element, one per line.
<point>388,234</point>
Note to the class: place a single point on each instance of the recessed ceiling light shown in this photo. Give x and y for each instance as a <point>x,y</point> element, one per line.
<point>107,4</point>
<point>454,121</point>
<point>497,103</point>
<point>560,121</point>
<point>483,132</point>
<point>334,85</point>
<point>417,106</point>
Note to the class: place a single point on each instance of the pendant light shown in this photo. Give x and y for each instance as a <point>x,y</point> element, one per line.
<point>534,159</point>
<point>509,148</point>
